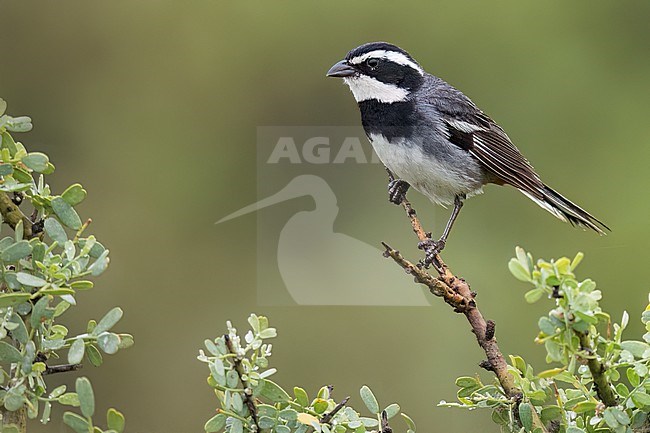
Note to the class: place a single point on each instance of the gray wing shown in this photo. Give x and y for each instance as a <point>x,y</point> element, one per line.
<point>466,126</point>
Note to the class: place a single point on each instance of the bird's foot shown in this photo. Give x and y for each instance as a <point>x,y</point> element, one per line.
<point>397,191</point>
<point>431,250</point>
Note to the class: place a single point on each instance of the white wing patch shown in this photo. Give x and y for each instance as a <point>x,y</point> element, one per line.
<point>364,88</point>
<point>393,56</point>
<point>464,126</point>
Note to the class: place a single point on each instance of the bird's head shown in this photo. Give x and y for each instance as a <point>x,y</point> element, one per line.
<point>379,71</point>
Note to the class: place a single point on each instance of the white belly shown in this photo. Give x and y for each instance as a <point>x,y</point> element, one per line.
<point>439,180</point>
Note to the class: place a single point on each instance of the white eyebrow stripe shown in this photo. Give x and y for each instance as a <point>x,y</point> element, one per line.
<point>393,56</point>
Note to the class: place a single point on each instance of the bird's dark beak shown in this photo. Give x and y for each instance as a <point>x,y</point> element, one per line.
<point>341,69</point>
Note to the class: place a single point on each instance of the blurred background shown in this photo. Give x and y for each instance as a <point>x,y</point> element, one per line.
<point>154,107</point>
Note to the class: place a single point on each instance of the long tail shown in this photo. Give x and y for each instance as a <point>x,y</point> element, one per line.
<point>567,211</point>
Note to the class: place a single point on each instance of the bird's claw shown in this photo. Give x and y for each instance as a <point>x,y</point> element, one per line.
<point>431,250</point>
<point>397,189</point>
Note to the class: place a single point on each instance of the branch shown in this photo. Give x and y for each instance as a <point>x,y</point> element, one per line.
<point>325,419</point>
<point>456,292</point>
<point>248,391</point>
<point>597,369</point>
<point>12,215</point>
<point>385,427</point>
<point>63,368</point>
<point>18,418</point>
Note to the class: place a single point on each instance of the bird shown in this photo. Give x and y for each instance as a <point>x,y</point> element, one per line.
<point>432,137</point>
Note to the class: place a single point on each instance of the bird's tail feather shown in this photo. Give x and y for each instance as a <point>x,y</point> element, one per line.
<point>567,211</point>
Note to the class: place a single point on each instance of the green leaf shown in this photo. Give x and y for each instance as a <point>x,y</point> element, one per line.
<point>267,410</point>
<point>409,422</point>
<point>41,311</point>
<point>86,396</point>
<point>254,321</point>
<point>637,348</point>
<point>76,422</point>
<point>69,399</point>
<point>288,414</point>
<point>126,341</point>
<point>369,422</point>
<point>526,415</point>
<point>232,379</point>
<point>585,406</point>
<point>19,333</point>
<point>550,413</point>
<point>30,280</point>
<point>6,169</point>
<point>36,161</point>
<point>640,399</point>
<point>76,351</point>
<point>609,418</point>
<point>55,230</point>
<point>82,285</point>
<point>268,333</point>
<point>47,410</point>
<point>576,260</point>
<point>622,390</point>
<point>237,402</point>
<point>522,257</point>
<point>93,355</point>
<point>369,399</point>
<point>9,144</point>
<point>466,382</point>
<point>9,353</point>
<point>621,416</point>
<point>3,106</point>
<point>546,326</point>
<point>74,194</point>
<point>265,422</point>
<point>633,377</point>
<point>518,270</point>
<point>320,406</point>
<point>19,124</point>
<point>15,252</point>
<point>109,343</point>
<point>236,426</point>
<point>550,373</point>
<point>273,392</point>
<point>108,321</point>
<point>301,396</point>
<point>14,399</point>
<point>66,213</point>
<point>215,423</point>
<point>115,420</point>
<point>392,410</point>
<point>11,299</point>
<point>534,295</point>
<point>100,264</point>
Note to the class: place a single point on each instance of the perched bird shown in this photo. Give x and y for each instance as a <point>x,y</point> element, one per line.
<point>434,138</point>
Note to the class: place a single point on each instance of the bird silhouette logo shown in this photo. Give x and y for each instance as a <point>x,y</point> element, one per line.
<point>322,267</point>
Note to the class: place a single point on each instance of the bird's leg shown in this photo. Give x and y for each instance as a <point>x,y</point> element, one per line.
<point>397,191</point>
<point>431,247</point>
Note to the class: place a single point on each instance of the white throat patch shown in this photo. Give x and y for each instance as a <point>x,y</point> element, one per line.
<point>393,56</point>
<point>364,88</point>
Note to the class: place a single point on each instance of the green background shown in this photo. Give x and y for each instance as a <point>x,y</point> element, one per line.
<point>153,107</point>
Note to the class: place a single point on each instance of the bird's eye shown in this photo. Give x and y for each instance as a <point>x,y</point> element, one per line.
<point>372,63</point>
